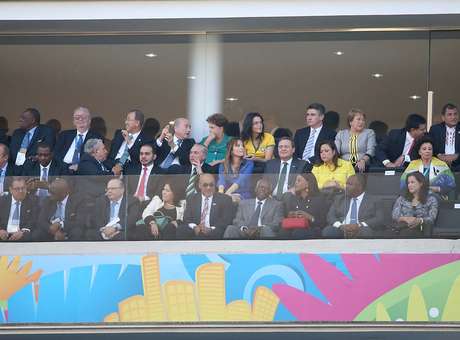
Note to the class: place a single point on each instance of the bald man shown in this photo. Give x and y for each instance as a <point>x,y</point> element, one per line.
<point>174,146</point>
<point>62,216</point>
<point>207,213</point>
<point>114,214</point>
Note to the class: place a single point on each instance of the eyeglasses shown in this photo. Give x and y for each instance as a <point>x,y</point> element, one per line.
<point>19,189</point>
<point>208,185</point>
<point>113,188</point>
<point>79,118</point>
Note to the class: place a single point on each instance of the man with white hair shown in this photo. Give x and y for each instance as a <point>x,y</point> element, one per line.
<point>70,143</point>
<point>174,144</point>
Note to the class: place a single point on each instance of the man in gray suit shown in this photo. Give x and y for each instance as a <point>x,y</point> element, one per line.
<point>257,218</point>
<point>356,214</point>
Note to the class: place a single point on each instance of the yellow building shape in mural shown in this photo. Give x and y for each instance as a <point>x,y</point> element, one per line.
<point>113,317</point>
<point>180,301</point>
<point>264,304</point>
<point>152,288</point>
<point>210,289</point>
<point>239,310</point>
<point>204,300</point>
<point>133,309</point>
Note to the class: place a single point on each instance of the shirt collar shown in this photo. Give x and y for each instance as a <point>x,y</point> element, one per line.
<point>4,168</point>
<point>32,131</point>
<point>64,201</point>
<point>359,198</point>
<point>135,135</point>
<point>409,137</point>
<point>203,197</point>
<point>289,162</point>
<point>13,201</point>
<point>82,133</point>
<point>257,201</point>
<point>450,129</point>
<point>47,167</point>
<point>318,129</point>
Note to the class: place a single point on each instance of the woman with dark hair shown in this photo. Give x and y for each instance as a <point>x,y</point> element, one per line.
<point>217,140</point>
<point>356,144</point>
<point>259,145</point>
<point>438,174</point>
<point>305,202</point>
<point>414,213</point>
<point>330,170</point>
<point>162,215</point>
<point>235,172</point>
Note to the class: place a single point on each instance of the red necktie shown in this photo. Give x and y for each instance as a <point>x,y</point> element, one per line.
<point>141,190</point>
<point>411,147</point>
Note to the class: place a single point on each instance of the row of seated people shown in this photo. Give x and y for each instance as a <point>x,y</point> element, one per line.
<point>300,213</point>
<point>357,144</point>
<point>235,173</point>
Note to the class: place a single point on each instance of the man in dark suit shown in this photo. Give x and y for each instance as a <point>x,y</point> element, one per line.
<point>207,213</point>
<point>191,172</point>
<point>126,143</point>
<point>282,172</point>
<point>258,217</point>
<point>143,178</point>
<point>174,148</point>
<point>93,170</point>
<point>18,213</point>
<point>306,139</point>
<point>42,170</point>
<point>70,143</point>
<point>396,149</point>
<point>356,214</point>
<point>446,137</point>
<point>26,138</point>
<point>7,169</point>
<point>62,216</point>
<point>114,214</point>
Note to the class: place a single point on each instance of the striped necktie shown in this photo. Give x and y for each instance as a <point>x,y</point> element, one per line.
<point>309,150</point>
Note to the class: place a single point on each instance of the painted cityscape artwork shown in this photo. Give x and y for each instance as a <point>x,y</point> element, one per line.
<point>230,288</point>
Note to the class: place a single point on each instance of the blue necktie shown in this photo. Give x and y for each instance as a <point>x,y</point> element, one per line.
<point>125,156</point>
<point>170,158</point>
<point>25,141</point>
<point>2,179</point>
<point>309,148</point>
<point>354,211</point>
<point>16,213</point>
<point>113,211</point>
<point>76,153</point>
<point>44,177</point>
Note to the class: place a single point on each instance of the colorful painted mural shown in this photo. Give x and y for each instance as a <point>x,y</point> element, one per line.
<point>230,287</point>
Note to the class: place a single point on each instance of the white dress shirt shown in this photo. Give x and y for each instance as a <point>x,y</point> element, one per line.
<point>315,139</point>
<point>47,172</point>
<point>64,204</point>
<point>450,140</point>
<point>121,150</point>
<point>407,146</point>
<point>286,180</point>
<point>13,226</point>
<point>2,177</point>
<point>69,155</point>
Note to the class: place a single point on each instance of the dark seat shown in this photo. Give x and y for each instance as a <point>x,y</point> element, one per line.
<point>448,221</point>
<point>383,183</point>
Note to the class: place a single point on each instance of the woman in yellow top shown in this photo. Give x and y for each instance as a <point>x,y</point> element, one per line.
<point>259,145</point>
<point>331,171</point>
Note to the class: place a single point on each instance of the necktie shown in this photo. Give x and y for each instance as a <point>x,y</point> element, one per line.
<point>60,211</point>
<point>125,155</point>
<point>281,180</point>
<point>254,222</point>
<point>411,147</point>
<point>141,191</point>
<point>77,151</point>
<point>191,184</point>
<point>354,211</point>
<point>43,177</point>
<point>2,179</point>
<point>204,212</point>
<point>310,146</point>
<point>113,210</point>
<point>171,156</point>
<point>16,213</point>
<point>25,141</point>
